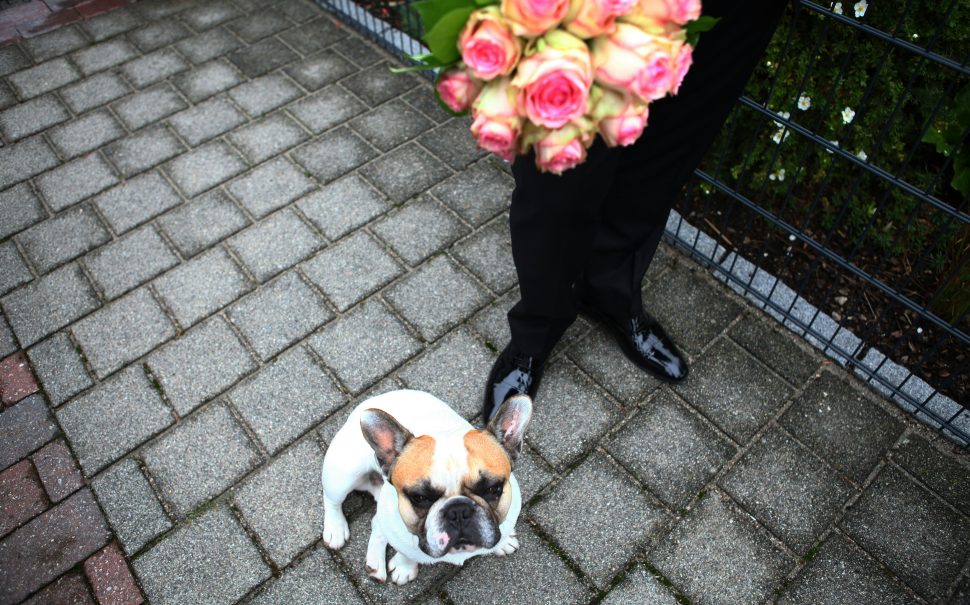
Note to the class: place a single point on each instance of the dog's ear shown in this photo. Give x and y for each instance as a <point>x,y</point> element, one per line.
<point>385,435</point>
<point>509,423</point>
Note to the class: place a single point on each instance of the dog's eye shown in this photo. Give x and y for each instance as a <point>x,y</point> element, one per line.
<point>494,491</point>
<point>421,500</point>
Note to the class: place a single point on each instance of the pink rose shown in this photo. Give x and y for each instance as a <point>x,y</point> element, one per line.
<point>682,63</point>
<point>591,18</point>
<point>633,60</point>
<point>457,89</point>
<point>678,11</point>
<point>531,18</point>
<point>561,149</point>
<point>497,124</point>
<point>488,46</point>
<point>620,117</point>
<point>553,84</point>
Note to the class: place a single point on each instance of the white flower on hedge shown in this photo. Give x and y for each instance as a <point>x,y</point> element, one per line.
<point>804,102</point>
<point>860,8</point>
<point>837,9</point>
<point>862,155</point>
<point>782,114</point>
<point>778,175</point>
<point>780,135</point>
<point>834,144</point>
<point>847,115</point>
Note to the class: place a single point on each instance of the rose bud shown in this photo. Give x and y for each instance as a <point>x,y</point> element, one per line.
<point>676,11</point>
<point>488,47</point>
<point>633,60</point>
<point>457,89</point>
<point>497,124</point>
<point>561,149</point>
<point>591,18</point>
<point>553,84</point>
<point>531,18</point>
<point>619,117</point>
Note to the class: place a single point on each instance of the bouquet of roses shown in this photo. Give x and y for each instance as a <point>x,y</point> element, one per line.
<point>551,74</point>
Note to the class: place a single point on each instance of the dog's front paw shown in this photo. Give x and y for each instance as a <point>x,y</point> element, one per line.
<point>335,531</point>
<point>378,572</point>
<point>403,570</point>
<point>507,545</point>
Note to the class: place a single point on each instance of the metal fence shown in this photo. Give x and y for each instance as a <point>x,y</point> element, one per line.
<point>836,196</point>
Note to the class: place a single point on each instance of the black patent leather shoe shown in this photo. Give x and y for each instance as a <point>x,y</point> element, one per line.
<point>512,374</point>
<point>644,343</point>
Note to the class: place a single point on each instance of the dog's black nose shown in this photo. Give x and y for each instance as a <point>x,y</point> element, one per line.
<point>459,513</point>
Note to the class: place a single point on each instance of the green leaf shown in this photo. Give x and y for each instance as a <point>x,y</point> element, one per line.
<point>431,11</point>
<point>442,39</point>
<point>935,137</point>
<point>704,23</point>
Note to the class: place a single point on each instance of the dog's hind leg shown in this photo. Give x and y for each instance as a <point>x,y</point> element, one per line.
<point>376,562</point>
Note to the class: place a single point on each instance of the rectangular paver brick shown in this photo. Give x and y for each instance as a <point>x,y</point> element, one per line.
<point>86,133</point>
<point>313,36</point>
<point>71,588</point>
<point>328,108</point>
<point>206,120</point>
<point>269,137</point>
<point>378,84</point>
<point>206,80</point>
<point>334,154</point>
<point>76,181</point>
<point>320,69</point>
<point>94,92</point>
<point>23,160</point>
<point>56,43</point>
<point>149,106</point>
<point>209,14</point>
<point>130,261</point>
<point>19,208</point>
<point>419,229</point>
<point>22,496</point>
<point>57,470</point>
<point>477,193</point>
<point>44,78</point>
<point>352,269</point>
<point>12,59</point>
<point>208,45</point>
<point>262,57</point>
<point>155,67</point>
<point>130,505</point>
<point>59,368</point>
<point>32,117</point>
<point>106,25</point>
<point>342,206</point>
<point>24,428</point>
<point>60,239</point>
<point>264,94</point>
<point>202,286</point>
<point>205,167</point>
<point>102,56</point>
<point>391,124</point>
<point>314,577</point>
<point>452,144</point>
<point>48,304</point>
<point>405,172</point>
<point>139,152</point>
<point>159,34</point>
<point>258,25</point>
<point>136,201</point>
<point>202,222</point>
<point>15,272</point>
<point>277,243</point>
<point>270,187</point>
<point>110,578</point>
<point>16,379</point>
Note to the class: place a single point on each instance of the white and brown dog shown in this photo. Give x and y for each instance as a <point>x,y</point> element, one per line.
<point>445,491</point>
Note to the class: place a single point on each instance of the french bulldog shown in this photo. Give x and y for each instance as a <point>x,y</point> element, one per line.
<point>445,491</point>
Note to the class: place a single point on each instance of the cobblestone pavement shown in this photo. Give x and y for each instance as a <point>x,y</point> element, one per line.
<point>224,223</point>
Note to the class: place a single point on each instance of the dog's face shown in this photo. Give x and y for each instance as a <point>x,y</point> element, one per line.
<point>453,489</point>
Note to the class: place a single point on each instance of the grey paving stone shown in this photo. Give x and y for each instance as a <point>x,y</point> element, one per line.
<point>618,519</point>
<point>58,240</point>
<point>795,495</point>
<point>270,187</point>
<point>7,96</point>
<point>316,71</point>
<point>947,474</point>
<point>31,117</point>
<point>59,367</point>
<point>205,167</point>
<point>488,254</point>
<point>43,78</point>
<point>286,398</point>
<point>269,137</point>
<point>201,286</point>
<point>352,269</point>
<point>477,193</point>
<point>143,150</point>
<point>599,355</point>
<point>257,26</point>
<point>342,206</point>
<point>86,133</point>
<point>739,563</point>
<point>202,222</point>
<point>500,580</point>
<point>130,505</point>
<point>841,572</point>
<point>208,14</point>
<point>206,80</point>
<point>724,386</point>
<point>640,586</point>
<point>48,304</point>
<point>918,537</point>
<point>276,244</point>
<point>378,84</point>
<point>391,124</point>
<point>122,332</point>
<point>453,143</point>
<point>12,59</point>
<point>154,67</point>
<point>208,45</point>
<point>405,172</point>
<point>14,272</point>
<point>130,261</point>
<point>278,314</point>
<point>75,181</point>
<point>55,43</point>
<point>311,37</point>
<point>334,154</point>
<point>330,107</point>
<point>102,56</point>
<point>298,11</point>
<point>202,122</point>
<point>776,349</point>
<point>181,461</point>
<point>212,557</point>
<point>570,415</point>
<point>364,345</point>
<point>421,98</point>
<point>159,34</point>
<point>287,490</point>
<point>23,160</point>
<point>962,592</point>
<point>202,363</point>
<point>136,201</point>
<point>94,92</point>
<point>153,10</point>
<point>115,417</point>
<point>19,208</point>
<point>262,57</point>
<point>842,426</point>
<point>313,579</point>
<point>24,428</point>
<point>419,229</point>
<point>149,106</point>
<point>670,449</point>
<point>264,94</point>
<point>437,297</point>
<point>532,473</point>
<point>110,24</point>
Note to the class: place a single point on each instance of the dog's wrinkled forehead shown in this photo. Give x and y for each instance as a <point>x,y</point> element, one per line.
<point>448,461</point>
